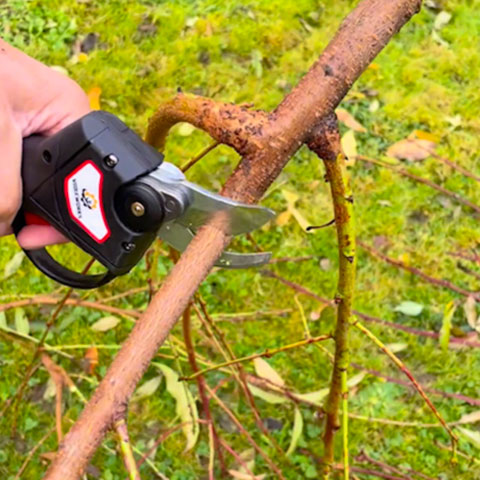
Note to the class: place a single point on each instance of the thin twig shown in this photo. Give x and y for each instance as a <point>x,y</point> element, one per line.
<point>368,318</point>
<point>120,427</point>
<point>425,181</point>
<point>471,257</point>
<point>292,259</point>
<point>399,423</point>
<point>470,459</point>
<point>239,375</point>
<point>128,293</point>
<point>410,376</point>
<point>237,457</point>
<point>244,432</point>
<point>39,347</point>
<point>31,453</point>
<point>187,336</point>
<point>71,302</point>
<point>439,282</point>
<point>365,458</point>
<point>194,160</point>
<point>440,393</point>
<point>266,354</point>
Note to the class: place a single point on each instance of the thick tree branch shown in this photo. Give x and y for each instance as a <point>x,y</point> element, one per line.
<point>361,37</point>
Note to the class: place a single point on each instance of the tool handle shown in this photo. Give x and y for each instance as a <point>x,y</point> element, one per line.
<point>74,181</point>
<point>33,157</point>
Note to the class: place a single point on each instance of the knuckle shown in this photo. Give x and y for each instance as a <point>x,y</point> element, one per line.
<point>75,92</point>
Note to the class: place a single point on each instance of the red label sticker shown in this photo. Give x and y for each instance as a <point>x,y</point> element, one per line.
<point>83,191</point>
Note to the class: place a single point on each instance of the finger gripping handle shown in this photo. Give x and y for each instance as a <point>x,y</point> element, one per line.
<point>73,180</point>
<point>50,267</point>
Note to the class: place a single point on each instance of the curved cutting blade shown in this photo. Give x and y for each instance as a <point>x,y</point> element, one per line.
<point>203,206</point>
<point>179,237</point>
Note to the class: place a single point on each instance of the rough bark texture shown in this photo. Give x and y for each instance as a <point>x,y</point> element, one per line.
<point>265,151</point>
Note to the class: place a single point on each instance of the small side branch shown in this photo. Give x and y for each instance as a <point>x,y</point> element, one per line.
<point>227,123</point>
<point>325,142</point>
<point>425,181</point>
<point>213,435</point>
<point>439,282</point>
<point>126,449</point>
<point>266,353</point>
<point>409,375</point>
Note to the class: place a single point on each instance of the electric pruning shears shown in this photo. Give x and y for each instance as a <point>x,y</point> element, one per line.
<point>110,193</point>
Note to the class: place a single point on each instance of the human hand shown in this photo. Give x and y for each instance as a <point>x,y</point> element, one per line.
<point>33,99</point>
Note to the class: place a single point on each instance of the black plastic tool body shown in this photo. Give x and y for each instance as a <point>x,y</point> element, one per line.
<point>82,181</point>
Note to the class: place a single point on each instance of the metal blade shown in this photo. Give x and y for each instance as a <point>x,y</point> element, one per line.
<point>199,206</point>
<point>237,217</point>
<point>178,237</point>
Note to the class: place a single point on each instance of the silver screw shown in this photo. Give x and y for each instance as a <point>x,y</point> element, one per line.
<point>137,209</point>
<point>128,246</point>
<point>111,160</point>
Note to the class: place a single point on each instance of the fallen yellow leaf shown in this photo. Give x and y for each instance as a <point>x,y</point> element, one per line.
<point>349,146</point>
<point>412,149</point>
<point>283,218</point>
<point>82,57</point>
<point>94,97</point>
<point>422,135</point>
<point>349,120</point>
<point>291,199</point>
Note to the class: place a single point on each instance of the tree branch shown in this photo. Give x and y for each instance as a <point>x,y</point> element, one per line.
<point>325,142</point>
<point>361,37</point>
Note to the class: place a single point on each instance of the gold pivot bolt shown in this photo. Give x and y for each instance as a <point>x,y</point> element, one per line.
<point>137,209</point>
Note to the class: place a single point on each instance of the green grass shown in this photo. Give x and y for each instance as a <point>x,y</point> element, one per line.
<point>254,52</point>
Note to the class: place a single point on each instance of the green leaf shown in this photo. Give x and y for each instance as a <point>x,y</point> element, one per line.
<point>296,432</point>
<point>21,322</point>
<point>318,396</point>
<point>349,146</point>
<point>269,397</point>
<point>105,324</point>
<point>470,436</point>
<point>470,308</point>
<point>473,417</point>
<point>444,338</point>
<point>314,397</point>
<point>13,264</point>
<point>148,388</point>
<point>264,370</point>
<point>186,407</point>
<point>185,129</point>
<point>257,58</point>
<point>412,309</point>
<point>51,389</point>
<point>356,379</point>
<point>396,347</point>
<point>3,321</point>
<point>442,19</point>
